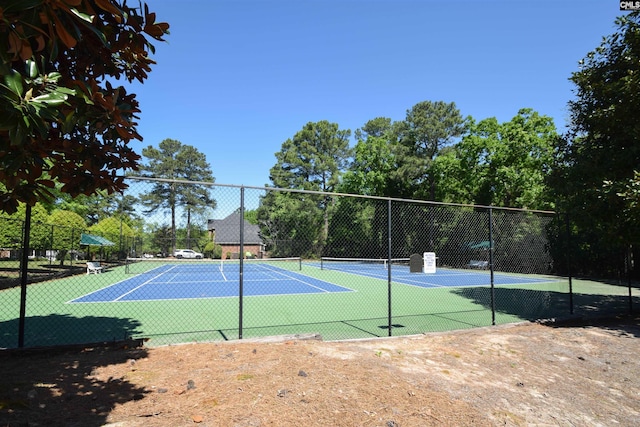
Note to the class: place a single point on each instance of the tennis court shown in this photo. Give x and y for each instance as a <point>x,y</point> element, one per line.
<point>173,280</point>
<point>443,277</point>
<point>179,279</point>
<point>170,301</point>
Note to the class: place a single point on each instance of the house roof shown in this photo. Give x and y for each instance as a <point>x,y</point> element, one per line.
<point>227,230</point>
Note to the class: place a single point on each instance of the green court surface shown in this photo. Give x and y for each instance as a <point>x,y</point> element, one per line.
<point>362,312</point>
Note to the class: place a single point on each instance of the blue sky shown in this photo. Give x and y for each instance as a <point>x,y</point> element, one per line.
<point>235,79</point>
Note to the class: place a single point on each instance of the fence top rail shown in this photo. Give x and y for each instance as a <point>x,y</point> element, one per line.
<point>335,194</point>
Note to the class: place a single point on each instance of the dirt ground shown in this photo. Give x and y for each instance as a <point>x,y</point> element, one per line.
<point>516,375</point>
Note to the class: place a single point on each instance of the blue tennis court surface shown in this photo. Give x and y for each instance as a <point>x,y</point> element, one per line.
<point>452,278</point>
<point>185,280</point>
<point>442,278</point>
<point>190,281</point>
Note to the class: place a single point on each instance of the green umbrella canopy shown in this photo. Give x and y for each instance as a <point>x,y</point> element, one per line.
<point>485,244</point>
<point>93,240</point>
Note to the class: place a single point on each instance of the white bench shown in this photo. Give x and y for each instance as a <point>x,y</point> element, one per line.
<point>94,267</point>
<point>480,265</point>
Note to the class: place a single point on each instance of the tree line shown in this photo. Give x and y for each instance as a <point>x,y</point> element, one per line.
<point>57,224</point>
<point>588,174</point>
<point>435,154</point>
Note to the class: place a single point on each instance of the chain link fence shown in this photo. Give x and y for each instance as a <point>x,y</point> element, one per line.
<point>266,261</point>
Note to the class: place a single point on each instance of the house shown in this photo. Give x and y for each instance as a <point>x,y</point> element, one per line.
<point>226,233</point>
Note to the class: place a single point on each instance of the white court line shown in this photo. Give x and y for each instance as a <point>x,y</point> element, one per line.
<point>171,279</point>
<point>280,276</point>
<point>73,301</point>
<point>299,280</point>
<point>142,284</point>
<point>280,273</point>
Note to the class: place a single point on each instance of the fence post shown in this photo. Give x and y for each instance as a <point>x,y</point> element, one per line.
<point>51,250</point>
<point>24,266</point>
<point>491,268</point>
<point>629,265</point>
<point>390,314</point>
<point>73,238</point>
<point>241,281</point>
<point>120,245</point>
<point>569,259</point>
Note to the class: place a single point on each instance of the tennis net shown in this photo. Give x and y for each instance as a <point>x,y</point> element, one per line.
<point>153,265</point>
<point>355,264</point>
<point>290,263</point>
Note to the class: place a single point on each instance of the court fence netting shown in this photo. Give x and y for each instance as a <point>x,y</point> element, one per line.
<point>261,261</point>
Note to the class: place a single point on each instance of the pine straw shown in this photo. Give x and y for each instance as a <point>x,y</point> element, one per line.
<point>290,383</point>
<point>518,375</point>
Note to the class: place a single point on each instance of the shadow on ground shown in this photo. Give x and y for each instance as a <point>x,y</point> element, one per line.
<point>53,386</point>
<point>63,329</point>
<point>534,305</point>
<point>623,326</point>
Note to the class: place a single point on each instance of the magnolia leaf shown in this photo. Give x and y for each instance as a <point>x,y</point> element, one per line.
<point>13,5</point>
<point>68,40</point>
<point>56,31</point>
<point>94,30</point>
<point>25,50</point>
<point>46,182</point>
<point>32,68</point>
<point>85,17</point>
<point>52,98</point>
<point>109,7</point>
<point>13,80</point>
<point>66,91</point>
<point>41,43</point>
<point>16,135</point>
<point>54,77</point>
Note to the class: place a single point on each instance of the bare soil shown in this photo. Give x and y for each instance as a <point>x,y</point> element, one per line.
<point>516,375</point>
